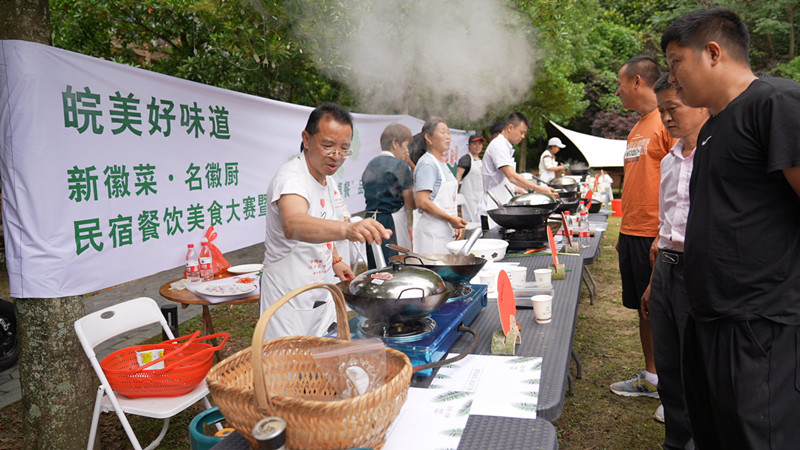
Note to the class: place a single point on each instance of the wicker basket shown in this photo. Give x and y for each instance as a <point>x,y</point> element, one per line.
<point>286,376</point>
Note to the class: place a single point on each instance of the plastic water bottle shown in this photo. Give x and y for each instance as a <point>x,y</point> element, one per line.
<point>583,230</point>
<point>580,207</point>
<point>206,266</point>
<point>192,271</point>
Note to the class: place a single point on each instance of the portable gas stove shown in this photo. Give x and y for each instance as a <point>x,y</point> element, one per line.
<point>429,339</point>
<point>519,240</point>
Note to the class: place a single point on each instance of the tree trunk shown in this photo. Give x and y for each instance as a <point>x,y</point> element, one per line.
<point>26,20</point>
<point>522,164</point>
<point>57,381</point>
<point>790,16</point>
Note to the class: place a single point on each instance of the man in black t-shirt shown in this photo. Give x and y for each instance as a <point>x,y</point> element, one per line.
<point>742,247</point>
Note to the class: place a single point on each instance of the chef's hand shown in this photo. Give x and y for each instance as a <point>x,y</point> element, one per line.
<point>367,230</point>
<point>546,190</point>
<point>645,303</point>
<point>458,223</point>
<point>343,271</point>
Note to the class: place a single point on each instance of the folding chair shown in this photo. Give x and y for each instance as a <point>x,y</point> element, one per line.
<point>98,327</point>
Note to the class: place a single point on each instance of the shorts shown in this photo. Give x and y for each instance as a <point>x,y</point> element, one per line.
<point>634,268</point>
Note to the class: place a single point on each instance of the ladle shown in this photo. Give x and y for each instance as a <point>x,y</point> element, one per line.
<point>476,233</point>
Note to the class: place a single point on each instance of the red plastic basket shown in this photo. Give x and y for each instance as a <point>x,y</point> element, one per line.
<point>185,366</point>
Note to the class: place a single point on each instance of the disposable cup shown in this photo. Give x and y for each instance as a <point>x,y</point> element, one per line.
<point>542,308</point>
<point>489,279</point>
<point>543,275</point>
<point>518,275</point>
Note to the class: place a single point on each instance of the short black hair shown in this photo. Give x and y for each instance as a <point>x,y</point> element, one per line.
<point>332,110</point>
<point>644,66</point>
<point>697,28</point>
<point>515,118</point>
<point>663,84</point>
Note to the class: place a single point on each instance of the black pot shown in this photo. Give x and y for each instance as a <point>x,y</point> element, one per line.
<point>595,206</point>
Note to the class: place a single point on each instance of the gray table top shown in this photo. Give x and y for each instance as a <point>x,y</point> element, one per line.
<point>552,341</point>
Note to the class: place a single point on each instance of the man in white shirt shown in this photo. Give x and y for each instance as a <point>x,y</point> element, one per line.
<point>303,224</point>
<point>665,301</point>
<point>548,167</point>
<point>499,166</point>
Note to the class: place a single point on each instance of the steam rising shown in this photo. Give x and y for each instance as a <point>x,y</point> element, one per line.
<point>461,59</point>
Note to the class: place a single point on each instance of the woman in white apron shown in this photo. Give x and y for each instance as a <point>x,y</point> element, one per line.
<point>436,220</point>
<point>472,182</point>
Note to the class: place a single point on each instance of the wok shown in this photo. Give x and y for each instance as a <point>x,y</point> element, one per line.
<point>457,269</point>
<point>570,206</point>
<point>520,217</point>
<point>404,293</point>
<point>392,310</point>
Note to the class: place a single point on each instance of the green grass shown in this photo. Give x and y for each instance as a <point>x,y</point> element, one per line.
<point>606,339</point>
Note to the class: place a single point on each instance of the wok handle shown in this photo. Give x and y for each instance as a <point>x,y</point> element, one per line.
<point>494,198</point>
<point>463,354</point>
<point>421,297</point>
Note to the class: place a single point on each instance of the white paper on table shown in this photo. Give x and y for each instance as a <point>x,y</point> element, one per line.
<point>429,419</point>
<point>504,386</point>
<point>229,280</point>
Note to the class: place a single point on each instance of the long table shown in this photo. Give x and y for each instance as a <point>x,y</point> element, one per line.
<point>552,341</point>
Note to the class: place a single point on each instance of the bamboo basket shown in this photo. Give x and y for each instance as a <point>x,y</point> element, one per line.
<point>285,376</point>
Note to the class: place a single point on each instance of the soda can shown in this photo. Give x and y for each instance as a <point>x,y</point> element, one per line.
<point>270,432</point>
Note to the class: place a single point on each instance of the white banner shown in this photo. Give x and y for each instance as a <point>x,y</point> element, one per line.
<point>108,171</point>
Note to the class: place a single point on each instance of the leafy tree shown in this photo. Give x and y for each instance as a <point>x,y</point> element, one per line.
<point>233,44</point>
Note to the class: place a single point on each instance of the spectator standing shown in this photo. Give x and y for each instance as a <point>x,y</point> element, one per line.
<point>665,302</point>
<point>742,243</point>
<point>648,143</point>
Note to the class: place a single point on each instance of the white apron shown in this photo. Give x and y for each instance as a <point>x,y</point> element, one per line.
<point>431,234</point>
<point>472,190</point>
<point>305,264</point>
<point>401,227</point>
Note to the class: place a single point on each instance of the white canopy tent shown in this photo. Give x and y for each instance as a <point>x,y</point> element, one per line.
<point>599,152</point>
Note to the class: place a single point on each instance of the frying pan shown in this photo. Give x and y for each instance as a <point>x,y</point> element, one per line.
<point>520,217</point>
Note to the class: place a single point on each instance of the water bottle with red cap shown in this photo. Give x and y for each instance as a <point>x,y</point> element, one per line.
<point>192,271</point>
<point>206,262</point>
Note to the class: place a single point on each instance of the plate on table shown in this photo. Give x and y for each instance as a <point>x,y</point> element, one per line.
<point>222,290</point>
<point>245,268</point>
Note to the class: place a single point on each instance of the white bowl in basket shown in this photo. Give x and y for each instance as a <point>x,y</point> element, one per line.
<point>488,249</point>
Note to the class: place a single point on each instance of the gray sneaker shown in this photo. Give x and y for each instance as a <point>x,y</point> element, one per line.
<point>659,414</point>
<point>636,386</point>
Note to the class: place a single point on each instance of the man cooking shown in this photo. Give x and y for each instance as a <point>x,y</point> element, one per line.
<point>302,225</point>
<point>499,166</point>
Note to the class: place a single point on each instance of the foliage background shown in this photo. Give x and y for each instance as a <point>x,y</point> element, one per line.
<point>266,48</point>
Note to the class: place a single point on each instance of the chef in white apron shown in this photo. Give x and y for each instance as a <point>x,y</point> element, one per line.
<point>436,220</point>
<point>469,174</point>
<point>389,188</point>
<point>302,225</point>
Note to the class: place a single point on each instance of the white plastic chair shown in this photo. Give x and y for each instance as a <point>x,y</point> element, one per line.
<point>98,327</point>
